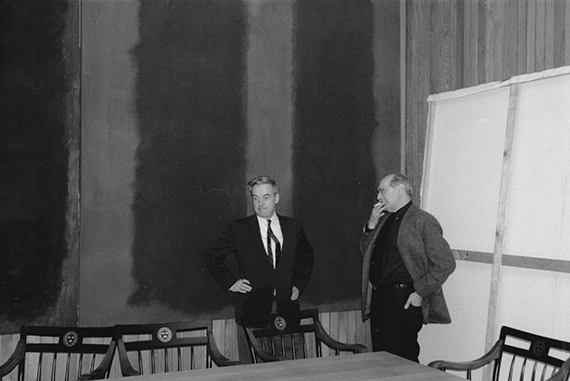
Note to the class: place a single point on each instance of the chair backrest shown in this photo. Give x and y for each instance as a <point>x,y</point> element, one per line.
<point>62,353</point>
<point>563,373</point>
<point>276,337</point>
<point>168,347</point>
<point>526,356</point>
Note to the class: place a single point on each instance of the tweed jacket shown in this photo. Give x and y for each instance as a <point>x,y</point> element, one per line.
<point>294,265</point>
<point>426,255</point>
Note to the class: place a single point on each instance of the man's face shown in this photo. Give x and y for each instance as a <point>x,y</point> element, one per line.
<point>264,200</point>
<point>388,195</point>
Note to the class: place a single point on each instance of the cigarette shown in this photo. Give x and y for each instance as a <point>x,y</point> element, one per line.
<point>378,203</point>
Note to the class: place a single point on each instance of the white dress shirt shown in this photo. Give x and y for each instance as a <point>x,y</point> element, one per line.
<point>276,228</point>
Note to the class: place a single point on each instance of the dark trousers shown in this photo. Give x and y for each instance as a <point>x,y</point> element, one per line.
<point>395,329</point>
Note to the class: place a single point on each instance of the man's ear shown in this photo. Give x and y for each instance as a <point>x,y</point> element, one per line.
<point>276,198</point>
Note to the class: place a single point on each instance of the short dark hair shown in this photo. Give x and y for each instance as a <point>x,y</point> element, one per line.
<point>262,179</point>
<point>400,178</point>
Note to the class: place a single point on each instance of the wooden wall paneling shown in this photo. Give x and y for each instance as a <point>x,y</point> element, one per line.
<point>521,36</point>
<point>444,67</point>
<point>8,343</point>
<point>495,39</point>
<point>469,43</point>
<point>531,36</point>
<point>481,41</point>
<point>540,35</point>
<point>558,31</point>
<point>549,40</point>
<point>343,327</point>
<point>334,328</point>
<point>351,321</point>
<point>417,86</point>
<point>325,318</point>
<point>231,347</point>
<point>510,45</point>
<point>456,31</point>
<point>567,32</point>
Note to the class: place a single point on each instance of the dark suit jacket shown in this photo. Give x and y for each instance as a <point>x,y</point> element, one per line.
<point>426,255</point>
<point>294,265</point>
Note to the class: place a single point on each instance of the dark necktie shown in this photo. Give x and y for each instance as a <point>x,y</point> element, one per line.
<point>271,236</point>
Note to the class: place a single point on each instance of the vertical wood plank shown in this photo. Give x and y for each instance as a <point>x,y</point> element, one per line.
<point>540,35</point>
<point>325,321</point>
<point>469,44</point>
<point>531,37</point>
<point>231,346</point>
<point>567,32</point>
<point>549,40</point>
<point>510,11</point>
<point>457,15</point>
<point>494,296</point>
<point>351,330</point>
<point>482,76</point>
<point>334,328</point>
<point>559,32</point>
<point>522,37</point>
<point>342,335</point>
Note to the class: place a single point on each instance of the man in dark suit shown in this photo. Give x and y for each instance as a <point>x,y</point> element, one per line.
<point>274,259</point>
<point>406,260</point>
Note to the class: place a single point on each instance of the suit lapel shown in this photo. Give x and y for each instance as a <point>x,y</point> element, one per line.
<point>256,234</point>
<point>285,230</point>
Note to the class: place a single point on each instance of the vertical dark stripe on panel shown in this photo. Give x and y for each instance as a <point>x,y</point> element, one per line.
<point>333,168</point>
<point>509,57</point>
<point>540,57</point>
<point>459,9</point>
<point>190,163</point>
<point>531,36</point>
<point>559,32</point>
<point>36,95</point>
<point>521,41</point>
<point>418,85</point>
<point>482,42</point>
<point>549,35</point>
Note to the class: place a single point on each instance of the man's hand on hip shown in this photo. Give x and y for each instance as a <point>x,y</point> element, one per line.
<point>241,286</point>
<point>414,299</point>
<point>294,293</point>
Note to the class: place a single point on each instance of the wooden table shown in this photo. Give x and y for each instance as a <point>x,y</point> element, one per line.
<point>365,366</point>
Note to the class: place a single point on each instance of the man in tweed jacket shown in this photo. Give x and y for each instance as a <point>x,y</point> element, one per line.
<point>406,260</point>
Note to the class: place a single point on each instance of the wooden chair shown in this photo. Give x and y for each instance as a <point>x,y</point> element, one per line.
<point>563,373</point>
<point>525,356</point>
<point>168,347</point>
<point>288,337</point>
<point>62,353</point>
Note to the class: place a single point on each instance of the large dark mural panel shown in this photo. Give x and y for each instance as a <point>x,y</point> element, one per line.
<point>334,176</point>
<point>190,170</point>
<point>33,158</point>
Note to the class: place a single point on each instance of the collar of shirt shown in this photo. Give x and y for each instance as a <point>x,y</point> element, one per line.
<point>275,227</point>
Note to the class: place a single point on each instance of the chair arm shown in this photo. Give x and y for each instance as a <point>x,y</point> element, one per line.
<point>259,352</point>
<point>490,356</point>
<point>563,373</point>
<point>219,359</point>
<point>102,370</point>
<point>126,368</point>
<point>337,345</point>
<point>16,357</point>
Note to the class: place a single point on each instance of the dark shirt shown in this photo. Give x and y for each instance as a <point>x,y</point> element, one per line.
<point>386,265</point>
